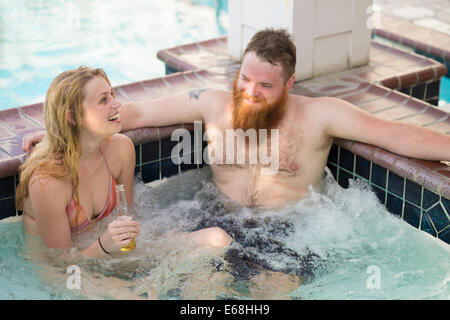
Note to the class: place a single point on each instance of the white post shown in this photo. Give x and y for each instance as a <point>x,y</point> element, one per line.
<point>330,35</point>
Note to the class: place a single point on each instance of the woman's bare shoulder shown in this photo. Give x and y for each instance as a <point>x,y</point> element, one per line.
<point>44,183</point>
<point>120,151</point>
<point>118,143</point>
<point>47,195</point>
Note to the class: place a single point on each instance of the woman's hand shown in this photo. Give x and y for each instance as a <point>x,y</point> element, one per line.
<point>119,233</point>
<point>31,140</point>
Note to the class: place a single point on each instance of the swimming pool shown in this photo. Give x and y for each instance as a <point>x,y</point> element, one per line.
<point>444,94</point>
<point>122,37</point>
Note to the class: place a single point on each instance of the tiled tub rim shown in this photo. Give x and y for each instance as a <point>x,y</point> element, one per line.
<point>391,28</point>
<point>402,166</point>
<point>416,45</point>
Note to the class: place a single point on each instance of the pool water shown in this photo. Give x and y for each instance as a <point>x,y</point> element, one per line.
<point>355,249</point>
<point>444,93</point>
<point>41,38</point>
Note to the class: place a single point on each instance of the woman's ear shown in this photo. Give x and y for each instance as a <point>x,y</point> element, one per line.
<point>69,118</point>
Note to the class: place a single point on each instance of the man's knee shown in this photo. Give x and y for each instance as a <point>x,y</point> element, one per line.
<point>218,237</point>
<point>214,236</point>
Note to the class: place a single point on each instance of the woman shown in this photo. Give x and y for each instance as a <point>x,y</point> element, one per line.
<point>68,181</point>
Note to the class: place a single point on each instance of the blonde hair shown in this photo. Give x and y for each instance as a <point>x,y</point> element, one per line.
<point>58,154</point>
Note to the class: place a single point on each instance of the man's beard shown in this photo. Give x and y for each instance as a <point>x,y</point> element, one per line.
<point>248,116</point>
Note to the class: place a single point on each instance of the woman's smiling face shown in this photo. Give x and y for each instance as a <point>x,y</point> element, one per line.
<point>100,108</point>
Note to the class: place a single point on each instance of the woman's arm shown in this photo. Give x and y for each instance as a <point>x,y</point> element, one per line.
<point>49,197</point>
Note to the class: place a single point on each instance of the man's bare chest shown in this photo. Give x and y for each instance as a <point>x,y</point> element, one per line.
<point>267,152</point>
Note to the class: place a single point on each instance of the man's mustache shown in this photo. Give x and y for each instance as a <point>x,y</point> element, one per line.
<point>243,95</point>
<point>254,99</point>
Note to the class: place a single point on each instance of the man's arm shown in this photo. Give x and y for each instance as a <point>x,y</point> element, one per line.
<point>174,109</point>
<point>349,122</point>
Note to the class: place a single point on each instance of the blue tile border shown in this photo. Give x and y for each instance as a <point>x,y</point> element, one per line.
<point>155,160</point>
<point>7,207</point>
<point>418,206</point>
<point>396,184</point>
<point>413,193</point>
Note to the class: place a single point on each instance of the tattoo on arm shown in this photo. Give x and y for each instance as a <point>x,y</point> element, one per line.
<point>196,93</point>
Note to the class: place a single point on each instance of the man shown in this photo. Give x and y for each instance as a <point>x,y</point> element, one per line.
<point>305,126</point>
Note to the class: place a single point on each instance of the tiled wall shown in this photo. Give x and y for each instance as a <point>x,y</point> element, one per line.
<point>420,207</point>
<point>153,160</point>
<point>7,196</point>
<point>427,91</point>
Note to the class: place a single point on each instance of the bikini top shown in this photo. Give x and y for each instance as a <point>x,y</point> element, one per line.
<point>81,222</point>
<point>78,223</point>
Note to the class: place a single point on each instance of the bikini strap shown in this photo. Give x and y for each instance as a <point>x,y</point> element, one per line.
<point>106,161</point>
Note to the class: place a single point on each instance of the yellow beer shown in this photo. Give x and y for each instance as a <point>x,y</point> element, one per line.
<point>129,247</point>
<point>125,213</point>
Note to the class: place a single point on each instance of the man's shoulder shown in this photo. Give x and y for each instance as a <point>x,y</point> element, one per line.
<point>317,110</point>
<point>317,104</point>
<point>198,93</point>
<point>211,98</point>
<point>217,100</point>
<point>312,101</point>
<point>222,94</point>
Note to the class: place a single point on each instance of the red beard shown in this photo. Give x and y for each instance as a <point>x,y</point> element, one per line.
<point>265,116</point>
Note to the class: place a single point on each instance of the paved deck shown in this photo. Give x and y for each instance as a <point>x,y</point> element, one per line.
<point>430,14</point>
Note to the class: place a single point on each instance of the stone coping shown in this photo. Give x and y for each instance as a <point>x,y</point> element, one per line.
<point>419,38</point>
<point>352,85</point>
<point>391,67</point>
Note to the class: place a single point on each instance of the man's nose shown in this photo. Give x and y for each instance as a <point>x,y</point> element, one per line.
<point>252,90</point>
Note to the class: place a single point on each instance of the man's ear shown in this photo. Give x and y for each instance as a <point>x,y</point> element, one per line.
<point>290,82</point>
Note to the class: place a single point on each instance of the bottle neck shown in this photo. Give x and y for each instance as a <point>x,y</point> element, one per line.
<point>122,200</point>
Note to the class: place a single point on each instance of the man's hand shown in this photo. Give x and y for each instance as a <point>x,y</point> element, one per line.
<point>31,140</point>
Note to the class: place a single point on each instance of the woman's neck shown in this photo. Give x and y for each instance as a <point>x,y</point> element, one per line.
<point>89,147</point>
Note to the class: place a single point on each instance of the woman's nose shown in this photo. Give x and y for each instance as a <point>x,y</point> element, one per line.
<point>116,103</point>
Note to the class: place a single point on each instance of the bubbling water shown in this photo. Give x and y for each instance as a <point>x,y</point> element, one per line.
<point>324,243</point>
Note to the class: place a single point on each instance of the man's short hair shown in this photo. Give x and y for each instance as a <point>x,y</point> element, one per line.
<point>276,47</point>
